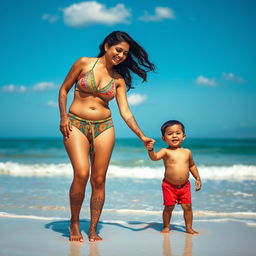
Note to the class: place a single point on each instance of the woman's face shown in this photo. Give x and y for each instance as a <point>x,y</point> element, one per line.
<point>117,53</point>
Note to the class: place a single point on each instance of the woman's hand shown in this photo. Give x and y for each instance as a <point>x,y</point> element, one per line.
<point>150,145</point>
<point>147,140</point>
<point>65,126</point>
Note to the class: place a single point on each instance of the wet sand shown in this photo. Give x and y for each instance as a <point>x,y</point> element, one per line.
<point>25,236</point>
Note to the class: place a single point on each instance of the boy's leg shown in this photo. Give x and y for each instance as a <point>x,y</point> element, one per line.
<point>167,214</point>
<point>188,217</point>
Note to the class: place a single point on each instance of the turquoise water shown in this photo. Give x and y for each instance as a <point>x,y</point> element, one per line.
<point>35,175</point>
<point>130,152</point>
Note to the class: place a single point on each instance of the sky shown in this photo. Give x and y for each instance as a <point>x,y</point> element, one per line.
<point>204,52</point>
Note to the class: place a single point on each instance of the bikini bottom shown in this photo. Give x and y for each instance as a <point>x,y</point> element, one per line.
<point>91,128</point>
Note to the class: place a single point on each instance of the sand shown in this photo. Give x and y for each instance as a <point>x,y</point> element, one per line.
<point>28,236</point>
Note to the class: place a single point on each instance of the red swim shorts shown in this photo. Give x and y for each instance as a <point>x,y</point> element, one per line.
<point>173,194</point>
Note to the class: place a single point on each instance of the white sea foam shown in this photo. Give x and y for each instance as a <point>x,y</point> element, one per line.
<point>244,217</point>
<point>235,172</point>
<point>242,194</point>
<point>219,220</point>
<point>31,217</point>
<point>133,212</point>
<point>197,214</point>
<point>251,215</point>
<point>17,169</point>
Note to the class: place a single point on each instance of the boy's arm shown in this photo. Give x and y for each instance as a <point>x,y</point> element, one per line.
<point>194,171</point>
<point>155,156</point>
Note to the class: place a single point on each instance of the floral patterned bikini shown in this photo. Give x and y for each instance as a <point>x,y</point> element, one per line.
<point>92,128</point>
<point>88,85</point>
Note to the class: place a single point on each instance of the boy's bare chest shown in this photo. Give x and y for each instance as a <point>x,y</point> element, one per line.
<point>177,158</point>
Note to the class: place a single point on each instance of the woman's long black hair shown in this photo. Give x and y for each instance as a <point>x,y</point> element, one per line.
<point>129,64</point>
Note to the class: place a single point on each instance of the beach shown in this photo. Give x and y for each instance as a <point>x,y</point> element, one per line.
<point>29,236</point>
<point>35,175</point>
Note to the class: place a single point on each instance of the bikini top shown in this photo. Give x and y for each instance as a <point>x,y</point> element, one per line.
<point>88,85</point>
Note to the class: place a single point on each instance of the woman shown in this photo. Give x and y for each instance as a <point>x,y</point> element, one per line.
<point>88,128</point>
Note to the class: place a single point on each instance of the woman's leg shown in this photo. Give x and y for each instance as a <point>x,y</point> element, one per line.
<point>103,145</point>
<point>77,147</point>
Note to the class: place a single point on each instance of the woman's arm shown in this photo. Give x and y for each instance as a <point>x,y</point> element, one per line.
<point>71,78</point>
<point>126,113</point>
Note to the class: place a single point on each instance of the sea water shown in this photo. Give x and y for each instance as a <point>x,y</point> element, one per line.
<point>35,176</point>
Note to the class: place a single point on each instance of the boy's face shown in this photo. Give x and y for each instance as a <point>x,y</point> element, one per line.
<point>174,135</point>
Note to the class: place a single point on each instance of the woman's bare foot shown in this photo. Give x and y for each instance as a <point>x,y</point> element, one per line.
<point>75,233</point>
<point>93,236</point>
<point>165,230</point>
<point>191,231</point>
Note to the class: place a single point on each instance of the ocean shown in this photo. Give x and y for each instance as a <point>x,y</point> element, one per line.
<point>35,175</point>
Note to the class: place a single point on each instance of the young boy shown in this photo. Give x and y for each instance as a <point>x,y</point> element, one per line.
<point>178,163</point>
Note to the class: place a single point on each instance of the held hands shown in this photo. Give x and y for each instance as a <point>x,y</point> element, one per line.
<point>198,185</point>
<point>65,127</point>
<point>150,145</point>
<point>148,141</point>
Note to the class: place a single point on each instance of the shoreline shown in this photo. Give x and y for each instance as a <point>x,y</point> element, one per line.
<point>20,236</point>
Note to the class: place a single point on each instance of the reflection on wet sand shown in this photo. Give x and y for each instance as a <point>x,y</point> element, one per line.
<point>188,245</point>
<point>93,249</point>
<point>75,249</point>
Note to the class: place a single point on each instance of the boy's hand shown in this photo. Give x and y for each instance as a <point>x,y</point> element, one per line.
<point>147,140</point>
<point>150,145</point>
<point>198,185</point>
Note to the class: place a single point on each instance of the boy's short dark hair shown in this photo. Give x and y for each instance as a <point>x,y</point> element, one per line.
<point>171,123</point>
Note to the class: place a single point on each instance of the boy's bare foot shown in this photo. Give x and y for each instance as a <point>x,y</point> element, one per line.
<point>75,233</point>
<point>165,230</point>
<point>93,236</point>
<point>191,231</point>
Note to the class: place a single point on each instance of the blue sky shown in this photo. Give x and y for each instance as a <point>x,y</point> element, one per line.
<point>204,52</point>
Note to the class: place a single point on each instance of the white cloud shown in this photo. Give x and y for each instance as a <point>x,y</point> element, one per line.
<point>136,99</point>
<point>43,86</point>
<point>160,14</point>
<point>206,81</point>
<point>50,18</point>
<point>92,12</point>
<point>231,77</point>
<point>228,76</point>
<point>52,103</point>
<point>11,88</point>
